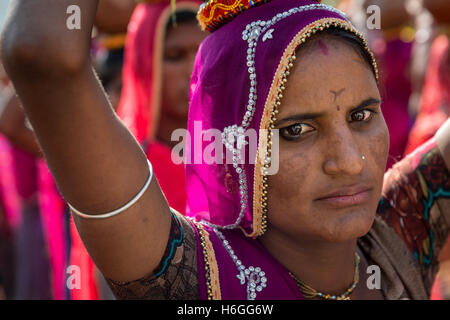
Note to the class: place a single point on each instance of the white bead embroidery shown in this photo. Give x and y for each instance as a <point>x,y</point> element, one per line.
<point>268,35</point>
<point>254,277</point>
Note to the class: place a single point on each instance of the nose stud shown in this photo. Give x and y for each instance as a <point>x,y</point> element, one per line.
<point>363,158</point>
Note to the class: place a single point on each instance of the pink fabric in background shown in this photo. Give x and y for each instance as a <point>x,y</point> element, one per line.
<point>52,208</point>
<point>8,191</point>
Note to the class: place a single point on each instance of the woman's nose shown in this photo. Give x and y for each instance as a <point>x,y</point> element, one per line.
<point>343,154</point>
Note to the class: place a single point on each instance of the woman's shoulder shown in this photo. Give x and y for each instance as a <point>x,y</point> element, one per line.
<point>415,202</point>
<point>393,268</point>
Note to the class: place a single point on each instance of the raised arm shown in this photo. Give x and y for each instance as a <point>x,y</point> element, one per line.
<point>113,15</point>
<point>96,162</point>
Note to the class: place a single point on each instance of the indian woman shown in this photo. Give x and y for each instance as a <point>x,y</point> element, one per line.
<point>292,201</point>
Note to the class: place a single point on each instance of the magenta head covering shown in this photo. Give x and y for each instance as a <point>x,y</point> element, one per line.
<point>239,74</point>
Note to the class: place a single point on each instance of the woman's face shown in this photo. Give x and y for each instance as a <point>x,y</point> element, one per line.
<point>181,46</point>
<point>334,145</point>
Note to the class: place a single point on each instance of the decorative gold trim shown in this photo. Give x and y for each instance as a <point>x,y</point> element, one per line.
<point>211,267</point>
<point>215,13</point>
<point>311,293</point>
<point>273,102</point>
<point>215,6</point>
<point>160,35</point>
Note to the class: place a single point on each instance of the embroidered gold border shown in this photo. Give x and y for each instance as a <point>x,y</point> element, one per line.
<point>259,223</point>
<point>160,35</point>
<point>213,7</point>
<point>211,267</point>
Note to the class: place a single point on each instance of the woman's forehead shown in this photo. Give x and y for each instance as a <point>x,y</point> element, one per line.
<point>327,67</point>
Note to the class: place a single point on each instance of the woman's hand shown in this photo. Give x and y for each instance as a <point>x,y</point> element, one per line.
<point>96,162</point>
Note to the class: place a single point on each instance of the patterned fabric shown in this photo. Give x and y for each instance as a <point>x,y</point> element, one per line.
<point>415,203</point>
<point>414,208</point>
<point>433,112</point>
<point>176,278</point>
<point>215,13</point>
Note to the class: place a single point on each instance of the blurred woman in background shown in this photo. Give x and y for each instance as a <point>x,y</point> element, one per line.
<point>159,57</point>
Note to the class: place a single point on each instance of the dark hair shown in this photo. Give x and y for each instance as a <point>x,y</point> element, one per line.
<point>182,16</point>
<point>347,37</point>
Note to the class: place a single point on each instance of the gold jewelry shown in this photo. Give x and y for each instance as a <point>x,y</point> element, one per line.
<point>363,158</point>
<point>310,293</point>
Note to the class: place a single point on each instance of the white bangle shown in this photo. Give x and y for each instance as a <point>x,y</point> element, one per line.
<point>122,209</point>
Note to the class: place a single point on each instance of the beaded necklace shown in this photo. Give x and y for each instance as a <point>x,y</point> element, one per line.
<point>310,293</point>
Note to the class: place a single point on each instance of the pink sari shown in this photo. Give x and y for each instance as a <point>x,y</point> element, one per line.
<point>8,192</point>
<point>52,209</point>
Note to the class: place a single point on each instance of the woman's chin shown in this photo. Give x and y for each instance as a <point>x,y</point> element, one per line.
<point>347,227</point>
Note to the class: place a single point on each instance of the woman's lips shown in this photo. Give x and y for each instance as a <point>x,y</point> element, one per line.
<point>347,197</point>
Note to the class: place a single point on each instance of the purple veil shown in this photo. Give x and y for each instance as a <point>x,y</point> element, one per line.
<point>239,72</point>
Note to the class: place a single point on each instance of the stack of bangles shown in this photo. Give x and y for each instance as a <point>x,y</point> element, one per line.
<point>121,209</point>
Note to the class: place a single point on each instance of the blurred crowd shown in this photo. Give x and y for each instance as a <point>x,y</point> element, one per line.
<point>145,67</point>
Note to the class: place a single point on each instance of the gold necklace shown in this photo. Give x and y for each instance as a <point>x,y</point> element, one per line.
<point>310,293</point>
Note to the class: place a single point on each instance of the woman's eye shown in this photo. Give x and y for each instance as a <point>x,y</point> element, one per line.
<point>295,131</point>
<point>363,115</point>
